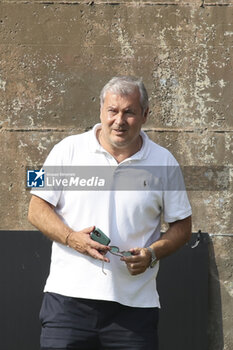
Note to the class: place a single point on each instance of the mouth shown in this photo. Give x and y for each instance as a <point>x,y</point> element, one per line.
<point>119,131</point>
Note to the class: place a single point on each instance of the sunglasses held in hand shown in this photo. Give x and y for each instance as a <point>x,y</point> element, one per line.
<point>116,251</point>
<point>98,236</point>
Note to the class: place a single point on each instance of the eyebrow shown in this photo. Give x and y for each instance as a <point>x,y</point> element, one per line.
<point>124,109</point>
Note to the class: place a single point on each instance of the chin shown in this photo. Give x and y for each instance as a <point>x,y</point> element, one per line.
<point>119,144</point>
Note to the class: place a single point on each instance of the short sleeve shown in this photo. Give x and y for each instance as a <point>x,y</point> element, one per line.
<point>176,204</point>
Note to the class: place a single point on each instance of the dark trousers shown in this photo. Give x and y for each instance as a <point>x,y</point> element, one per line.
<point>84,324</point>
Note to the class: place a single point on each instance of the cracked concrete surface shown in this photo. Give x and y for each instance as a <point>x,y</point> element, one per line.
<point>55,57</point>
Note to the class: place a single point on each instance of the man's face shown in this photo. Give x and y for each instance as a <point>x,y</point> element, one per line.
<point>122,118</point>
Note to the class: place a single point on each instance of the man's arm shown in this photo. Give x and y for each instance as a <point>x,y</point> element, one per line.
<point>177,235</point>
<point>41,214</point>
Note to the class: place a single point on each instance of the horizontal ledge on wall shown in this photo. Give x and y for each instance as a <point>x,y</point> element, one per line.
<point>39,130</point>
<point>98,2</point>
<point>196,130</point>
<point>196,3</point>
<point>218,4</point>
<point>114,3</point>
<point>178,130</point>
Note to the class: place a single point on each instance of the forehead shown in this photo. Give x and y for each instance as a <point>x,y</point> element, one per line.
<point>126,100</point>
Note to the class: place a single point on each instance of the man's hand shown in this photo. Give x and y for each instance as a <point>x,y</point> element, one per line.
<point>177,235</point>
<point>82,242</point>
<point>139,261</point>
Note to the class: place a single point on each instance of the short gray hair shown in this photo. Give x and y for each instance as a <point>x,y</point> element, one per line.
<point>126,85</point>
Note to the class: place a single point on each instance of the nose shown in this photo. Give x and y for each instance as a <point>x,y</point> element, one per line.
<point>120,118</point>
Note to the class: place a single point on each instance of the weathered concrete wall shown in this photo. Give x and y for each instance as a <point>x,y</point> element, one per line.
<point>55,57</point>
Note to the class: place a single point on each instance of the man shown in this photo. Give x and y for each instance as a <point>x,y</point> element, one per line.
<point>84,308</point>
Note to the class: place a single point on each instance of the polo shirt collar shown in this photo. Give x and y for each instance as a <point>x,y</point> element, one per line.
<point>96,147</point>
<point>94,143</point>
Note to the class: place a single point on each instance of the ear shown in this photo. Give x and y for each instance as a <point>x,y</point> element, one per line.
<point>145,115</point>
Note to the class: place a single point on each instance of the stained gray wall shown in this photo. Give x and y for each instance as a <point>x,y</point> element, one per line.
<point>55,57</point>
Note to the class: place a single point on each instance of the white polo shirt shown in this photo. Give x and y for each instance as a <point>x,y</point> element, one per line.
<point>129,218</point>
